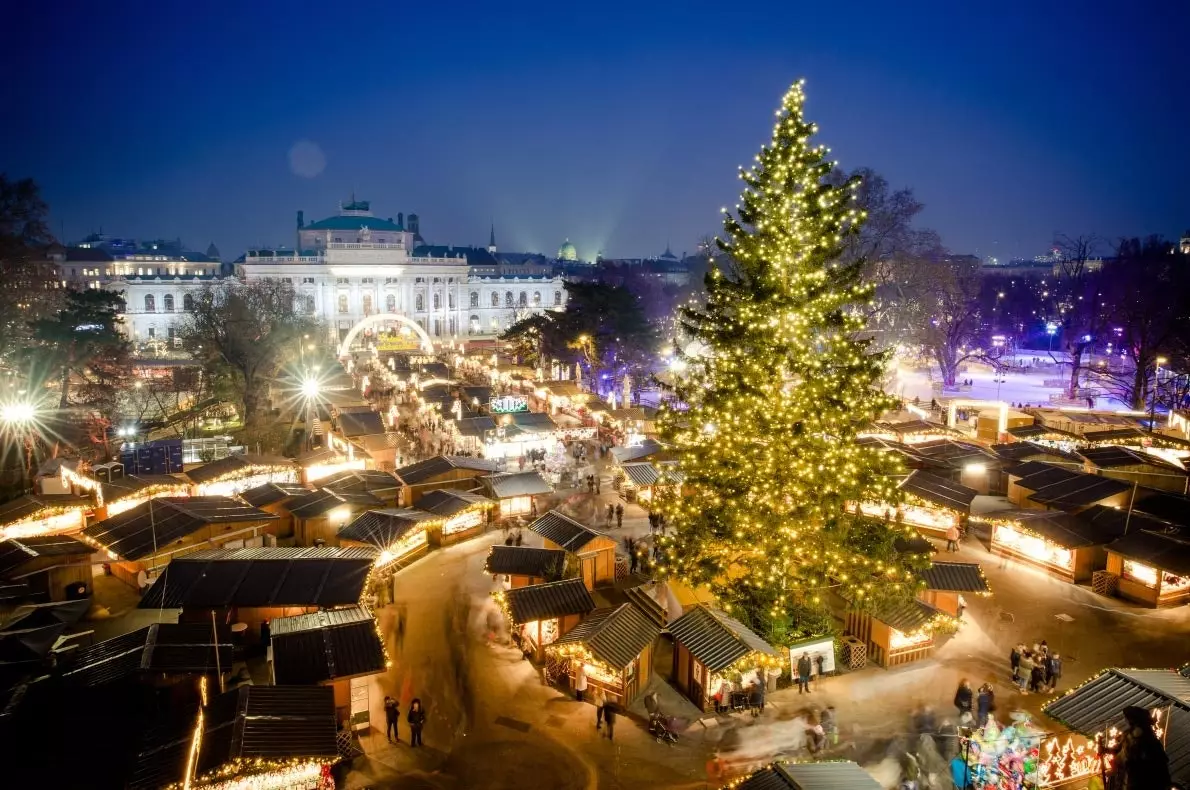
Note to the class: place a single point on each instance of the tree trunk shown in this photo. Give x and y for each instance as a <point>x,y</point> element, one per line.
<point>64,401</point>
<point>948,366</point>
<point>1140,388</point>
<point>1076,364</point>
<point>251,401</point>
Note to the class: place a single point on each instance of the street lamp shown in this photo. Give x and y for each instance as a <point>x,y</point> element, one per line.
<point>20,413</point>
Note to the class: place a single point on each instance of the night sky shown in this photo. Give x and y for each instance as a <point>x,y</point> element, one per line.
<point>617,127</point>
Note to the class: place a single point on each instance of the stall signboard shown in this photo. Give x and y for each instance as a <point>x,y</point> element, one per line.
<point>822,654</point>
<point>398,342</point>
<point>508,404</point>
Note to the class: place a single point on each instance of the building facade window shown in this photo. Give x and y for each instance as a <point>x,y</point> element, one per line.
<point>557,298</point>
<point>537,298</point>
<point>390,303</point>
<point>474,325</point>
<point>495,299</point>
<point>367,304</point>
<point>188,302</point>
<point>309,301</point>
<point>150,303</point>
<point>450,301</point>
<point>523,300</point>
<point>307,281</point>
<point>508,298</point>
<point>475,298</point>
<point>419,303</point>
<point>342,303</point>
<point>437,303</point>
<point>167,302</point>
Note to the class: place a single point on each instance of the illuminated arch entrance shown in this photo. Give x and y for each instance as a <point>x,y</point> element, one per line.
<point>427,345</point>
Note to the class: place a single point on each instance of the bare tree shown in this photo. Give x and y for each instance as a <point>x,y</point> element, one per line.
<point>1076,300</point>
<point>941,305</point>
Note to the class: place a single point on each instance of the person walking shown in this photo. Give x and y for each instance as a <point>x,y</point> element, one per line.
<point>611,512</point>
<point>580,682</point>
<point>1014,661</point>
<point>392,715</point>
<point>963,698</point>
<point>609,717</point>
<point>952,538</point>
<point>1025,676</point>
<point>619,516</point>
<point>803,673</point>
<point>1037,680</point>
<point>830,725</point>
<point>985,704</point>
<point>417,720</point>
<point>1053,671</point>
<point>600,701</point>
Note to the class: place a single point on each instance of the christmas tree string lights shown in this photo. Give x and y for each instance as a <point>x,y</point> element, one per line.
<point>766,433</point>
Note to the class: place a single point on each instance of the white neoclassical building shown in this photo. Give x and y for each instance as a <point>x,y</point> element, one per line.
<point>354,271</point>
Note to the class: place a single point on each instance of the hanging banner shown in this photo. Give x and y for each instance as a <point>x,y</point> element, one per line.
<point>508,404</point>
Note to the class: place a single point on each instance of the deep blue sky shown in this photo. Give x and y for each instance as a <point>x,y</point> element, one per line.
<point>619,126</point>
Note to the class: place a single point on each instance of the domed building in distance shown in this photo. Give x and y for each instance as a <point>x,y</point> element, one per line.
<point>567,252</point>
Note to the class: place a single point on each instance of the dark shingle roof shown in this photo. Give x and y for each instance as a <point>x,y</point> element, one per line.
<point>131,485</point>
<point>1163,551</point>
<point>1113,456</point>
<point>474,426</point>
<point>906,616</point>
<point>832,775</point>
<point>272,493</point>
<point>526,561</point>
<point>549,600</point>
<point>237,463</point>
<point>136,532</point>
<point>16,552</point>
<point>448,501</point>
<point>955,577</point>
<point>646,603</point>
<point>1035,474</point>
<point>1062,529</point>
<point>441,464</point>
<point>513,484</point>
<point>271,723</point>
<point>641,474</point>
<point>313,504</point>
<point>361,481</point>
<point>1174,508</point>
<point>614,636</point>
<point>382,528</point>
<point>321,646</point>
<point>625,454</point>
<point>31,504</point>
<point>49,613</point>
<point>262,577</point>
<point>360,424</point>
<point>939,491</point>
<point>564,531</point>
<point>955,454</point>
<point>160,647</point>
<point>1078,491</point>
<point>1098,705</point>
<point>1017,452</point>
<point>715,638</point>
<point>1034,431</point>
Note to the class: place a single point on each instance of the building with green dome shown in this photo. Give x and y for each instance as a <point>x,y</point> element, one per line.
<point>567,252</point>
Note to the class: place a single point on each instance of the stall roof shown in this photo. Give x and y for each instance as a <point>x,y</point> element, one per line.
<point>377,443</point>
<point>512,484</point>
<point>382,528</point>
<point>160,647</point>
<point>321,646</point>
<point>313,504</point>
<point>1098,705</point>
<point>614,636</point>
<point>563,389</point>
<point>832,775</point>
<point>324,455</point>
<point>447,502</point>
<point>564,531</point>
<point>647,603</point>
<point>50,613</point>
<point>915,426</point>
<point>1086,489</point>
<point>645,449</point>
<point>906,616</point>
<point>1037,431</point>
<point>157,523</point>
<point>15,552</point>
<point>1061,529</point>
<point>270,723</point>
<point>129,485</point>
<point>912,459</point>
<point>533,421</point>
<point>549,600</point>
<point>30,504</point>
<point>1115,435</point>
<point>1035,474</point>
<point>913,544</point>
<point>1174,508</point>
<point>642,474</point>
<point>361,481</point>
<point>28,645</point>
<point>955,577</point>
<point>955,454</point>
<point>1114,456</point>
<point>422,471</point>
<point>272,493</point>
<point>1159,550</point>
<point>236,463</point>
<point>262,577</point>
<point>939,491</point>
<point>352,424</point>
<point>715,638</point>
<point>526,561</point>
<point>1018,452</point>
<point>475,426</point>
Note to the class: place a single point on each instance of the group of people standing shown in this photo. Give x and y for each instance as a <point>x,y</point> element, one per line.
<point>974,707</point>
<point>1036,669</point>
<point>392,717</point>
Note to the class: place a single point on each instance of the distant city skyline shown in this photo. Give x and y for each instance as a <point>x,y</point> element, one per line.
<point>620,131</point>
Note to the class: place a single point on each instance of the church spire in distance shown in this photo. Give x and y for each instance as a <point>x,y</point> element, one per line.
<point>492,239</point>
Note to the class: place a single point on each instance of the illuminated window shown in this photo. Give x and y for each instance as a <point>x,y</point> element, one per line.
<point>523,301</point>
<point>419,303</point>
<point>150,303</point>
<point>495,299</point>
<point>188,302</point>
<point>508,298</point>
<point>342,303</point>
<point>537,298</point>
<point>437,302</point>
<point>390,303</point>
<point>475,298</point>
<point>167,303</point>
<point>367,304</point>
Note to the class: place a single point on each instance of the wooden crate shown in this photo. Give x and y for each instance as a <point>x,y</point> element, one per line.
<point>855,653</point>
<point>1105,583</point>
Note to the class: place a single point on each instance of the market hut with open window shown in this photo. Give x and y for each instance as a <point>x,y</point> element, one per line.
<point>541,613</point>
<point>614,646</point>
<point>1067,546</point>
<point>596,552</point>
<point>948,582</point>
<point>710,646</point>
<point>464,514</point>
<point>899,633</point>
<point>1152,567</point>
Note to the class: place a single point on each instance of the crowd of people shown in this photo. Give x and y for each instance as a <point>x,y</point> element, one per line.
<point>1036,669</point>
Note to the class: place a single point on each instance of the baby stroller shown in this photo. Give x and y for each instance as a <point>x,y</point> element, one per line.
<point>660,729</point>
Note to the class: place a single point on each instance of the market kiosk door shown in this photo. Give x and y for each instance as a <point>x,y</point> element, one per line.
<point>588,566</point>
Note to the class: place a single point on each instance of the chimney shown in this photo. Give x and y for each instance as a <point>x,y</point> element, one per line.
<point>301,220</point>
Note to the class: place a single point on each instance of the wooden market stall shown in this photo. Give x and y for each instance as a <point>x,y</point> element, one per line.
<point>397,534</point>
<point>971,465</point>
<point>382,485</point>
<point>1135,466</point>
<point>318,516</point>
<point>1152,568</point>
<point>596,552</point>
<point>614,646</point>
<point>44,514</point>
<point>250,586</point>
<point>275,498</point>
<point>933,504</point>
<point>464,514</point>
<point>947,582</point>
<point>235,473</point>
<point>541,613</point>
<point>45,568</point>
<point>831,775</point>
<point>1062,545</point>
<point>519,493</point>
<point>522,566</point>
<point>439,472</point>
<point>898,633</point>
<point>141,541</point>
<point>710,647</point>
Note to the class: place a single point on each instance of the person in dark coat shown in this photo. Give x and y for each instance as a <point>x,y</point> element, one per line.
<point>1053,671</point>
<point>609,718</point>
<point>963,698</point>
<point>803,673</point>
<point>417,720</point>
<point>1141,761</point>
<point>392,715</point>
<point>1014,661</point>
<point>265,634</point>
<point>948,740</point>
<point>986,703</point>
<point>619,516</point>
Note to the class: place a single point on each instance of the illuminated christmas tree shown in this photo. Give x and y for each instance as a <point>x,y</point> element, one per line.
<point>765,433</point>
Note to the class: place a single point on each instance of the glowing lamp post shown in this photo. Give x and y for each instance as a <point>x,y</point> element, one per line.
<point>310,390</point>
<point>18,417</point>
